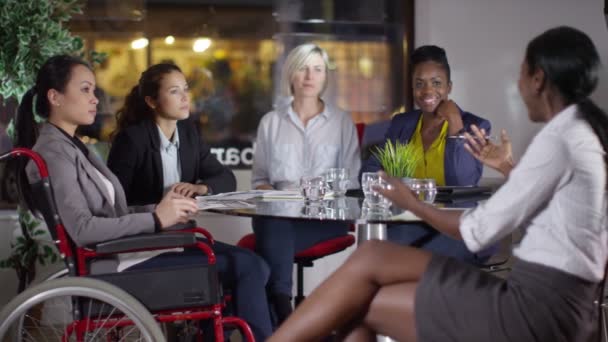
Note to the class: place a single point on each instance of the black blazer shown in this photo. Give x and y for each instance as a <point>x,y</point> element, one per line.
<point>135,159</point>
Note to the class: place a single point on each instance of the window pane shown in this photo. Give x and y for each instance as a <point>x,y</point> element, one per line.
<point>231,53</point>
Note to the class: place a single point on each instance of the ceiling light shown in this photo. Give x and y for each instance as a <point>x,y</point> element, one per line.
<point>201,44</point>
<point>139,43</point>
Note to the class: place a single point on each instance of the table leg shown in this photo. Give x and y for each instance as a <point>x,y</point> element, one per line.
<point>372,231</point>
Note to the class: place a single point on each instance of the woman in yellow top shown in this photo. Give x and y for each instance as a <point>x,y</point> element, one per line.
<point>431,164</point>
<point>443,159</point>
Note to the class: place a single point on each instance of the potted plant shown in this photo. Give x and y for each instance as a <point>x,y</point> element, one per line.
<point>398,159</point>
<point>31,244</point>
<point>30,33</point>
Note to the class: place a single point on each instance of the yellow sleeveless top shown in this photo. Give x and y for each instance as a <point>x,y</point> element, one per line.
<point>431,162</point>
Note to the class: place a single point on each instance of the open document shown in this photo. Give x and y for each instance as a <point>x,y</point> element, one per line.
<point>205,203</point>
<point>251,194</point>
<point>239,199</point>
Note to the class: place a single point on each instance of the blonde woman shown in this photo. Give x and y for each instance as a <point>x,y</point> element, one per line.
<point>303,137</point>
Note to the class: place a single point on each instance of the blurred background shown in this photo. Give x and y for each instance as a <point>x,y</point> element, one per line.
<point>231,52</point>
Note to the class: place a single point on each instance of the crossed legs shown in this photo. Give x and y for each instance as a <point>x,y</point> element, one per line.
<point>372,292</point>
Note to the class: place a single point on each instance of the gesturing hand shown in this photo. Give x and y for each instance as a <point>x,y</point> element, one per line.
<point>397,192</point>
<point>498,157</point>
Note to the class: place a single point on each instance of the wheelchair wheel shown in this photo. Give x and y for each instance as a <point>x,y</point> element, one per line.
<point>77,309</point>
<point>62,273</point>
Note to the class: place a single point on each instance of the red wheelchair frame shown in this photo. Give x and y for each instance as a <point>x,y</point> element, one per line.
<point>76,259</point>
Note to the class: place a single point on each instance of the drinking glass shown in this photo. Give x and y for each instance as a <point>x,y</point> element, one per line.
<point>337,208</point>
<point>314,209</point>
<point>370,180</point>
<point>374,212</point>
<point>337,181</point>
<point>313,188</point>
<point>424,188</point>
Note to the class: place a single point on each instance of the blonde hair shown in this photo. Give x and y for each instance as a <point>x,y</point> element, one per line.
<point>295,60</point>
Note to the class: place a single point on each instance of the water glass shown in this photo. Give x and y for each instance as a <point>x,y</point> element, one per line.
<point>424,188</point>
<point>374,212</point>
<point>313,188</point>
<point>370,180</point>
<point>337,208</point>
<point>337,181</point>
<point>315,210</point>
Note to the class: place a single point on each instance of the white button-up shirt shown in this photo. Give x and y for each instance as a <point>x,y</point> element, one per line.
<point>169,155</point>
<point>557,194</point>
<point>285,150</point>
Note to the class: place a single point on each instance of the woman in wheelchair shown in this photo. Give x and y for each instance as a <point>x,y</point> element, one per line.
<point>557,194</point>
<point>91,201</point>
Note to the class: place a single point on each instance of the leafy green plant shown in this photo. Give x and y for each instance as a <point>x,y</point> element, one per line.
<point>398,159</point>
<point>31,31</point>
<point>30,248</point>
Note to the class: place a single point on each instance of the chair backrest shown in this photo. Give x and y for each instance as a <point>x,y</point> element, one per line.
<point>360,130</point>
<point>44,204</point>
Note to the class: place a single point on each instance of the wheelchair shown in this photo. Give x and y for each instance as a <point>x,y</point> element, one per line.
<point>123,306</point>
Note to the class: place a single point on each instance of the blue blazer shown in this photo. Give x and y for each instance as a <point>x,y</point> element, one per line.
<point>461,168</point>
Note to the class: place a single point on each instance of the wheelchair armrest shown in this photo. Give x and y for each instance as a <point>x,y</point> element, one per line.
<point>201,231</point>
<point>145,242</point>
<point>181,226</point>
<point>190,227</point>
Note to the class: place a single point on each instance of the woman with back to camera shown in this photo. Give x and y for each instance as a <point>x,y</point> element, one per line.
<point>556,193</point>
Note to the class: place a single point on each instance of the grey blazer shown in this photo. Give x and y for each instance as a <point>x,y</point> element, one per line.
<point>82,199</point>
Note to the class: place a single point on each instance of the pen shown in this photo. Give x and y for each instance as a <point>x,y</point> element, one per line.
<point>488,137</point>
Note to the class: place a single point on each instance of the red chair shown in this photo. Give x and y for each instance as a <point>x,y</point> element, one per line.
<point>162,291</point>
<point>307,257</point>
<point>360,130</point>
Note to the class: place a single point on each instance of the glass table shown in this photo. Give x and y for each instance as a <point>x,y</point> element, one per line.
<point>370,222</point>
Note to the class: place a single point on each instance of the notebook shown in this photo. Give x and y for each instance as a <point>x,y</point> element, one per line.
<point>450,191</point>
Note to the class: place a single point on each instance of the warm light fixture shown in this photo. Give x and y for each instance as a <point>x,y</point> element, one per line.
<point>201,44</point>
<point>139,43</point>
<point>366,66</point>
<point>169,40</point>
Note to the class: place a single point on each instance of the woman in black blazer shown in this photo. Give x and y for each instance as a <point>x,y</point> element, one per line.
<point>135,156</point>
<point>136,159</point>
<point>156,149</point>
